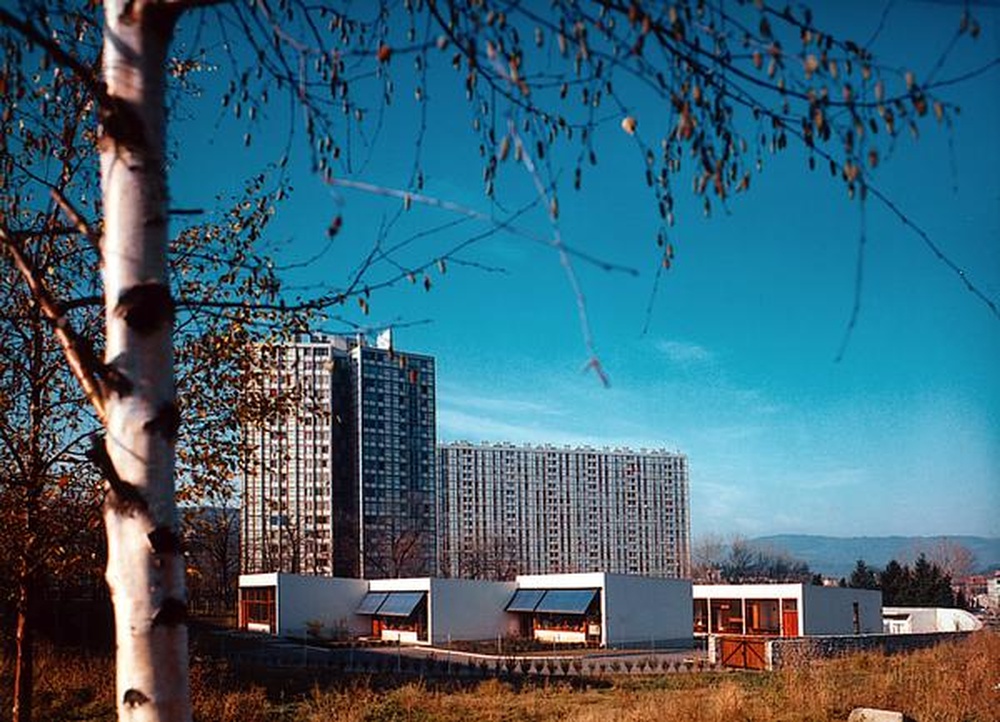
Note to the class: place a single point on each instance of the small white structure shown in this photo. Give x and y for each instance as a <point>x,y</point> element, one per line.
<point>294,605</point>
<point>785,610</point>
<point>922,620</point>
<point>610,610</point>
<point>436,611</point>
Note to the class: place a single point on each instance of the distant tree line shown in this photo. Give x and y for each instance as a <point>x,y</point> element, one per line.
<point>740,561</point>
<point>925,584</point>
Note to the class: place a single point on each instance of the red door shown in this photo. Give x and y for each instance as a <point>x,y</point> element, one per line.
<point>790,623</point>
<point>789,618</point>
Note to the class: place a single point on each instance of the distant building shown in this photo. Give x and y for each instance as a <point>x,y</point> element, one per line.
<point>339,476</point>
<point>993,591</point>
<point>507,510</point>
<point>973,588</point>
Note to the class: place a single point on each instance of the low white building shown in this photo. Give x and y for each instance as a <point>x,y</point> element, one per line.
<point>418,611</point>
<point>295,605</point>
<point>785,610</point>
<point>610,610</point>
<point>437,611</point>
<point>922,620</point>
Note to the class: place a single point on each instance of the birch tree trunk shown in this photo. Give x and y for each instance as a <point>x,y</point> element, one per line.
<point>145,568</point>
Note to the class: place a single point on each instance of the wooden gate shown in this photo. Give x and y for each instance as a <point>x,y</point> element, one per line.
<point>743,652</point>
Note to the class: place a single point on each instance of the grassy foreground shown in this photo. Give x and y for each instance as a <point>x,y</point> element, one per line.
<point>956,682</point>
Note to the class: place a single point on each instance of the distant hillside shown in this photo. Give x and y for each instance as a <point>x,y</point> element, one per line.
<point>836,556</point>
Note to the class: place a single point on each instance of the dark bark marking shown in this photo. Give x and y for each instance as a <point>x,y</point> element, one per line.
<point>126,497</point>
<point>146,307</point>
<point>122,495</point>
<point>172,613</point>
<point>166,422</point>
<point>121,124</point>
<point>128,14</point>
<point>135,698</point>
<point>164,541</point>
<point>112,379</point>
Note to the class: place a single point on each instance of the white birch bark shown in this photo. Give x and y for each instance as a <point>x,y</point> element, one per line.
<point>145,568</point>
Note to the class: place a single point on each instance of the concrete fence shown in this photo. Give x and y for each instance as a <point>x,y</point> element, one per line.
<point>468,667</point>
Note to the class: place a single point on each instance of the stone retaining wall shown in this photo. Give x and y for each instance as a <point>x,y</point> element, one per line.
<point>790,651</point>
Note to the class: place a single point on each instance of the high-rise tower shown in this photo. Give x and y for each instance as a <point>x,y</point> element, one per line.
<point>339,472</point>
<point>506,510</point>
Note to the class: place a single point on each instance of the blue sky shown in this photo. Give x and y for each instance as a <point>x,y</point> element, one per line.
<point>737,366</point>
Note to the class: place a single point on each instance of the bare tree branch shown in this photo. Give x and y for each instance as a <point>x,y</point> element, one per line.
<point>80,357</point>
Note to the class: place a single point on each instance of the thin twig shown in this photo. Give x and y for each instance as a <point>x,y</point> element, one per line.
<point>859,272</point>
<point>409,197</point>
<point>78,221</point>
<point>593,362</point>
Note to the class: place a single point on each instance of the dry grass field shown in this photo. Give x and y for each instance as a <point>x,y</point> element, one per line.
<point>958,682</point>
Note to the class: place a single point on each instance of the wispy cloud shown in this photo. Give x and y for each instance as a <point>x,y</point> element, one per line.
<point>834,478</point>
<point>685,353</point>
<point>499,405</point>
<point>729,433</point>
<point>574,413</point>
<point>497,415</point>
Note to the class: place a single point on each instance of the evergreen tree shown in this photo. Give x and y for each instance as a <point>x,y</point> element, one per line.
<point>863,577</point>
<point>931,586</point>
<point>925,585</point>
<point>895,582</point>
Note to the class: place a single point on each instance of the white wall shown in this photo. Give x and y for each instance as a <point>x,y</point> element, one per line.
<point>641,610</point>
<point>408,584</point>
<point>468,609</point>
<point>329,600</point>
<point>933,619</point>
<point>267,579</point>
<point>582,580</point>
<point>830,610</point>
<point>747,591</point>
